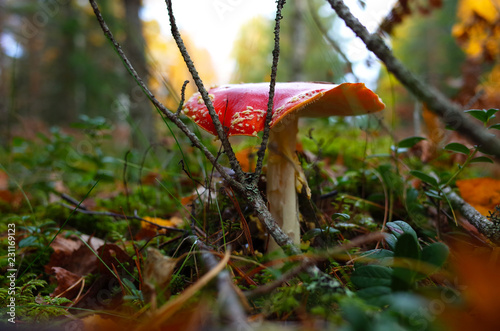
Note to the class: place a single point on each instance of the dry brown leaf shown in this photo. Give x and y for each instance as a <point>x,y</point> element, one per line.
<point>158,268</point>
<point>72,255</point>
<point>112,255</point>
<point>65,280</point>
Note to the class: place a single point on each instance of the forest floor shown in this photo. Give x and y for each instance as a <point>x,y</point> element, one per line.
<point>98,237</point>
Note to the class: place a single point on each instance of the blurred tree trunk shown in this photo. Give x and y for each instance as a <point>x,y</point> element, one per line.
<point>4,114</point>
<point>298,38</point>
<point>141,113</point>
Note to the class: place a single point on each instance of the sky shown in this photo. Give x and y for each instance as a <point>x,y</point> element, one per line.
<point>214,25</point>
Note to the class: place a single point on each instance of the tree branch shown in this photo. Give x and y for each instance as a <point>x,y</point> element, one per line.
<point>481,223</point>
<point>449,112</point>
<point>170,115</point>
<point>231,308</point>
<point>251,193</point>
<point>235,165</point>
<point>333,43</point>
<point>269,115</point>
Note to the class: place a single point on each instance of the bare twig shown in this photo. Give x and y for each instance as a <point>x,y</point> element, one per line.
<point>170,115</point>
<point>72,200</point>
<point>250,193</point>
<point>482,224</point>
<point>115,215</point>
<point>235,165</point>
<point>266,289</point>
<point>269,115</point>
<point>231,308</point>
<point>183,97</point>
<point>449,112</point>
<point>333,43</point>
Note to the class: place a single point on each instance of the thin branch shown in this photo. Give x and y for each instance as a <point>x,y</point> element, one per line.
<point>482,224</point>
<point>269,115</point>
<point>183,97</point>
<point>333,43</point>
<point>170,115</point>
<point>122,216</point>
<point>231,308</point>
<point>235,165</point>
<point>356,242</point>
<point>450,113</point>
<point>252,195</point>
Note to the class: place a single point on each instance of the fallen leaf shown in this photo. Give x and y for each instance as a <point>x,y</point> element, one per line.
<point>72,255</point>
<point>153,226</point>
<point>65,279</point>
<point>112,255</point>
<point>481,193</point>
<point>158,270</point>
<point>478,269</point>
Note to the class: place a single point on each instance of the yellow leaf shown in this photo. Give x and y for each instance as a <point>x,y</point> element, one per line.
<point>151,226</point>
<point>476,27</point>
<point>485,9</point>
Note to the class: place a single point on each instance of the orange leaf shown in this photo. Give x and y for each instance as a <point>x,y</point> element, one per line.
<point>477,270</point>
<point>247,158</point>
<point>481,193</point>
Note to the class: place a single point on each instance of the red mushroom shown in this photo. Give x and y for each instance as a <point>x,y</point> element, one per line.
<point>242,110</point>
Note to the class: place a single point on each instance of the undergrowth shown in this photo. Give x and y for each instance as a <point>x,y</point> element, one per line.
<point>374,184</point>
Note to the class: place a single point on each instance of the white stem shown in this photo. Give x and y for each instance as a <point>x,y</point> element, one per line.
<point>281,174</point>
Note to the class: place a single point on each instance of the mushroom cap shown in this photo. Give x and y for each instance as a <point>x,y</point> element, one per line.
<point>242,107</point>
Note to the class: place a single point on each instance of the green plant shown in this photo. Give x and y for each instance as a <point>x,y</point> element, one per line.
<point>31,305</point>
<point>398,269</point>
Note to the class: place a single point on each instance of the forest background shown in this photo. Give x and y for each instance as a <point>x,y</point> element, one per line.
<point>72,119</point>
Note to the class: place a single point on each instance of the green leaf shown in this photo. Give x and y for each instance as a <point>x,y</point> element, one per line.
<point>433,194</point>
<point>424,177</point>
<point>482,150</point>
<point>410,142</point>
<point>435,254</point>
<point>495,126</point>
<point>371,275</point>
<point>481,159</point>
<point>408,252</point>
<point>490,113</point>
<point>407,247</point>
<point>458,148</point>
<point>355,315</point>
<point>376,295</point>
<point>29,241</point>
<point>318,231</point>
<point>379,256</point>
<point>341,215</point>
<point>479,114</point>
<point>398,228</point>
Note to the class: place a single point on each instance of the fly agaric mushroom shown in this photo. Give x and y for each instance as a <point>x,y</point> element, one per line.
<point>242,111</point>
